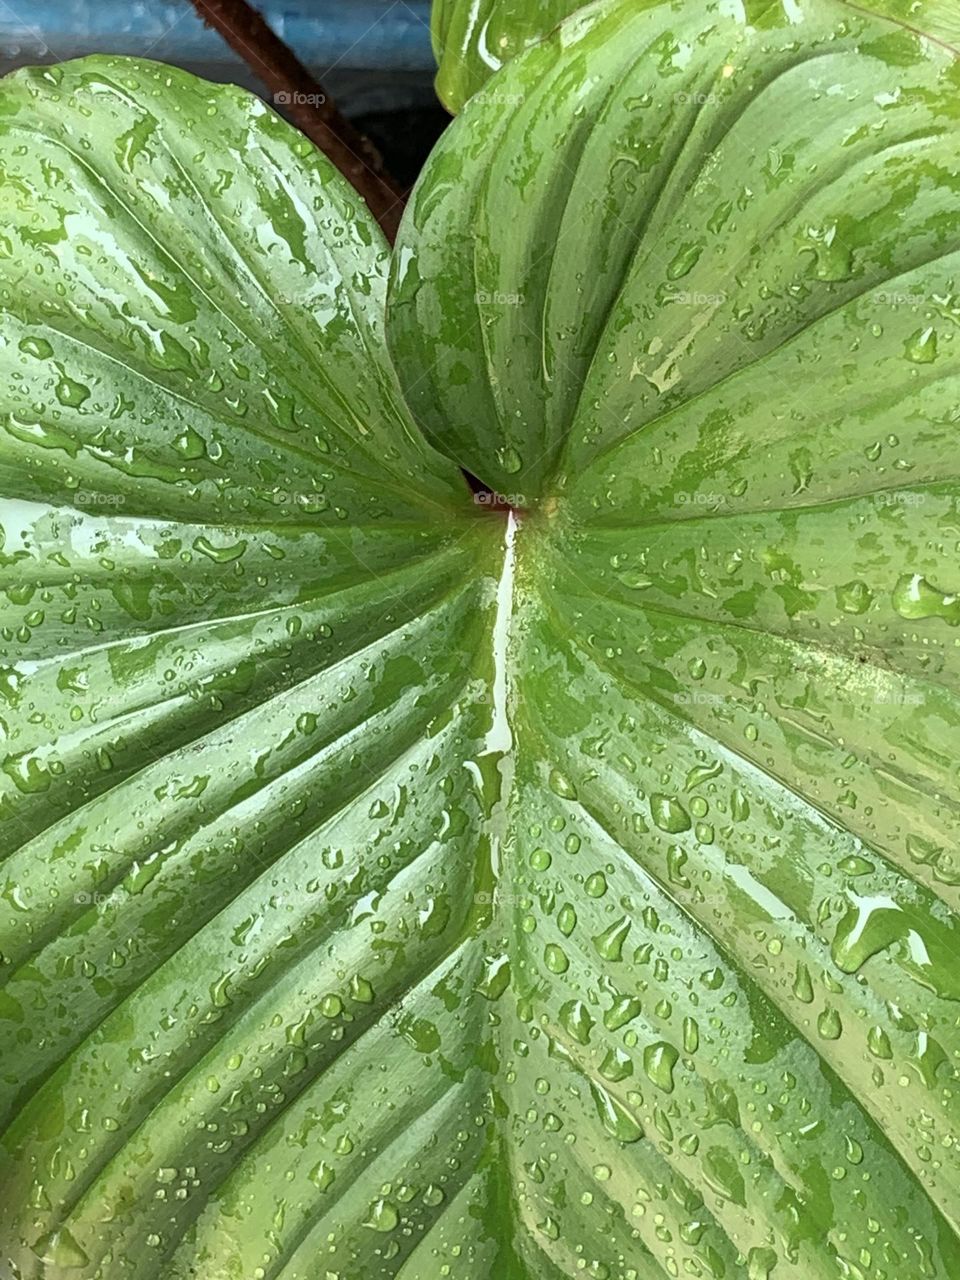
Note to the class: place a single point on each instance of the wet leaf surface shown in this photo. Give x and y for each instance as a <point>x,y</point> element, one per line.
<point>394,890</point>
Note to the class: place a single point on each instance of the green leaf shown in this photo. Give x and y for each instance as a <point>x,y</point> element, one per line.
<point>579,271</point>
<point>472,39</point>
<point>703,293</point>
<point>243,664</point>
<point>939,20</point>
<point>381,902</point>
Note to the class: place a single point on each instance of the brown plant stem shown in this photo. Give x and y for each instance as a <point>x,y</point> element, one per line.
<point>312,110</point>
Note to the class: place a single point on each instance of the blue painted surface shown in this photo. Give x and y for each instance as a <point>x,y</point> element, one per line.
<point>370,34</point>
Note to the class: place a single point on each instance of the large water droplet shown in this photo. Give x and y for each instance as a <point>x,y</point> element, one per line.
<point>854,597</point>
<point>659,1061</point>
<point>623,1010</point>
<point>561,785</point>
<point>509,459</point>
<point>868,926</point>
<point>322,1176</point>
<point>829,1025</point>
<point>382,1216</point>
<point>609,943</point>
<point>495,978</point>
<point>915,598</point>
<point>669,814</point>
<point>921,347</point>
<point>684,260</point>
<point>616,1119</point>
<point>576,1020</point>
<point>62,1250</point>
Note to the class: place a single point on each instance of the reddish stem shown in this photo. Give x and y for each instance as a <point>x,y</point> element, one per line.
<point>312,110</point>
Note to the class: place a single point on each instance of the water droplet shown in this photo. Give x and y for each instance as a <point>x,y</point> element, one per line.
<point>854,597</point>
<point>684,260</point>
<point>561,785</point>
<point>595,885</point>
<point>833,255</point>
<point>659,1061</point>
<point>219,555</point>
<point>616,1065</point>
<point>760,1262</point>
<point>331,1006</point>
<point>915,598</point>
<point>70,393</point>
<point>609,943</point>
<point>496,977</point>
<point>723,1174</point>
<point>702,773</point>
<point>669,814</point>
<point>691,1036</point>
<point>361,990</point>
<point>39,348</point>
<point>576,1020</point>
<point>829,1025</point>
<point>509,459</point>
<point>62,1250</point>
<point>878,1042</point>
<point>868,926</point>
<point>614,1116</point>
<point>921,347</point>
<point>802,985</point>
<point>854,865</point>
<point>190,444</point>
<point>567,920</point>
<point>322,1176</point>
<point>634,580</point>
<point>382,1216</point>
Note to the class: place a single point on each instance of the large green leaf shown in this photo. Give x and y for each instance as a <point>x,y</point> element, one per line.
<point>365,918</point>
<point>243,663</point>
<point>474,38</point>
<point>709,312</point>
